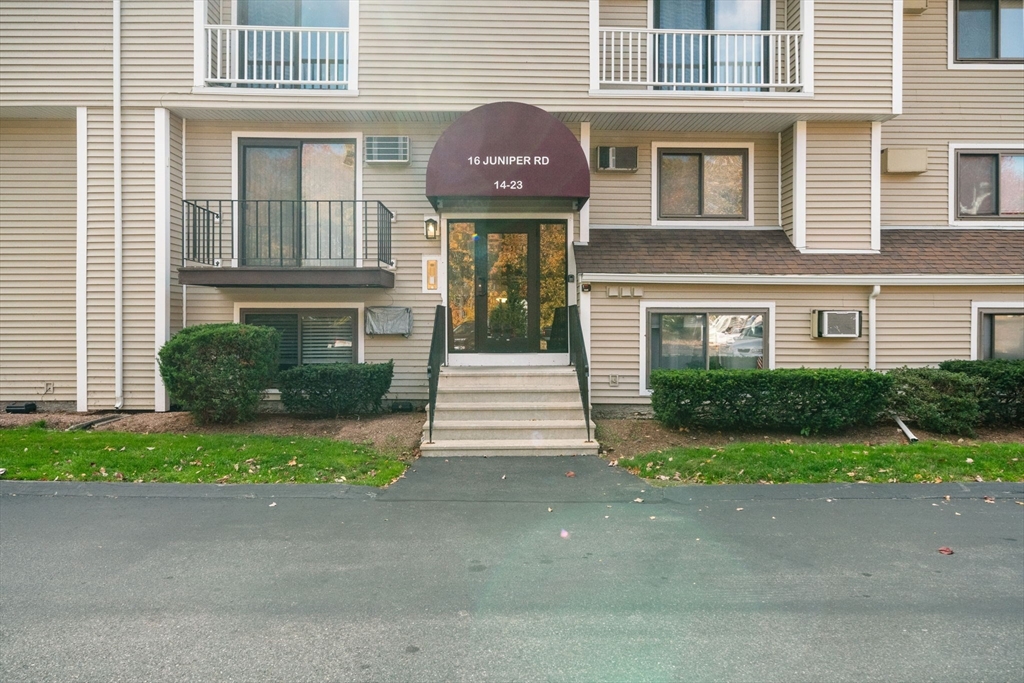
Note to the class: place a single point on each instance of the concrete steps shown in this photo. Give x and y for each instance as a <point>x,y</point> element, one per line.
<point>508,411</point>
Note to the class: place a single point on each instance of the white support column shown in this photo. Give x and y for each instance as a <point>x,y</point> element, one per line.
<point>162,247</point>
<point>807,24</point>
<point>82,261</point>
<point>800,184</point>
<point>873,329</point>
<point>595,33</point>
<point>897,57</point>
<point>876,185</point>
<point>585,210</point>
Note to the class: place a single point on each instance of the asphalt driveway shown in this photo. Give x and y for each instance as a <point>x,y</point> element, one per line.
<point>506,569</point>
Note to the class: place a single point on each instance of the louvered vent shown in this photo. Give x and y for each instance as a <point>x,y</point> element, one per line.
<point>387,149</point>
<point>328,339</point>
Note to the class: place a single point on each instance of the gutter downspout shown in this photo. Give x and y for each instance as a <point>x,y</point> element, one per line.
<point>872,336</point>
<point>118,222</point>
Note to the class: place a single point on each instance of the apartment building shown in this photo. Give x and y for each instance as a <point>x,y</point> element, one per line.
<point>603,185</point>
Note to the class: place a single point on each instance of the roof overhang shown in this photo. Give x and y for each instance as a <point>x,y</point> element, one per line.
<point>507,150</point>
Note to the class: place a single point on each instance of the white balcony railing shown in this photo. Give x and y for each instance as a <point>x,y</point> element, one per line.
<point>752,61</point>
<point>277,57</point>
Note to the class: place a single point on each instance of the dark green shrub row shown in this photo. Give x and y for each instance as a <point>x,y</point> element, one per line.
<point>335,389</point>
<point>1002,402</point>
<point>805,400</point>
<point>219,372</point>
<point>937,400</point>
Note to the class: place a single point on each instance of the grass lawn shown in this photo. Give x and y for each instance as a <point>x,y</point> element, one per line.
<point>778,463</point>
<point>38,454</point>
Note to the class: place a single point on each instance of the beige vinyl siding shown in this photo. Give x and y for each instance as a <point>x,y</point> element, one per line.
<point>176,150</point>
<point>156,49</point>
<point>940,106</point>
<point>624,13</point>
<point>100,259</point>
<point>786,152</point>
<point>927,325</point>
<point>139,177</point>
<point>55,53</point>
<point>615,330</point>
<point>618,198</point>
<point>853,53</point>
<point>838,186</point>
<point>37,259</point>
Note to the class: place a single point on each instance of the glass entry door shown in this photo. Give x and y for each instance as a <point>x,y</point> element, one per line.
<point>507,286</point>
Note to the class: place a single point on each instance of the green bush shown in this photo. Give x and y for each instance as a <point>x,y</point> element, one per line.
<point>937,400</point>
<point>1002,402</point>
<point>219,372</point>
<point>801,401</point>
<point>335,389</point>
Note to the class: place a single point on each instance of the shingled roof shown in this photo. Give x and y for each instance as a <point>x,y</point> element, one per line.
<point>769,252</point>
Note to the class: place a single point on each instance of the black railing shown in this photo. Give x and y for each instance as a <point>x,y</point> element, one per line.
<point>578,358</point>
<point>286,233</point>
<point>437,346</point>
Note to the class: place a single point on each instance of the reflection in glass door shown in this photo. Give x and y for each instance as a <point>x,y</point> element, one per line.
<point>507,286</point>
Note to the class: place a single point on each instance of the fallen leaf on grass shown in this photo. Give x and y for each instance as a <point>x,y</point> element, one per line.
<point>978,478</point>
<point>945,551</point>
<point>292,462</point>
<point>118,476</point>
<point>150,448</point>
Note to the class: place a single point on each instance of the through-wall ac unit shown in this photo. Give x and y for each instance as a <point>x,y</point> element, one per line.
<point>616,158</point>
<point>836,324</point>
<point>387,149</point>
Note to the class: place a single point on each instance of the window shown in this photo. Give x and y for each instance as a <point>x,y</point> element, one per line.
<point>321,13</point>
<point>681,340</point>
<point>703,184</point>
<point>296,205</point>
<point>989,30</point>
<point>315,336</point>
<point>1002,335</point>
<point>990,185</point>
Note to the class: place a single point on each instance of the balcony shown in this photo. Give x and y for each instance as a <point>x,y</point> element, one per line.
<point>279,57</point>
<point>286,243</point>
<point>659,60</point>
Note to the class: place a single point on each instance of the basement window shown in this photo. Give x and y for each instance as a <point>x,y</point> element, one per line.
<point>314,336</point>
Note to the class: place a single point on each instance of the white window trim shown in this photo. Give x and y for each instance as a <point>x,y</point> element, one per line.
<point>306,305</point>
<point>199,56</point>
<point>702,307</point>
<point>236,135</point>
<point>988,306</point>
<point>951,62</point>
<point>981,224</point>
<point>702,223</point>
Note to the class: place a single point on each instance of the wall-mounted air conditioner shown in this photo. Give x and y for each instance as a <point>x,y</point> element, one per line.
<point>836,324</point>
<point>616,159</point>
<point>387,149</point>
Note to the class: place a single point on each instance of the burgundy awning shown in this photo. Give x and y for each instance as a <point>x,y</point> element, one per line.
<point>507,149</point>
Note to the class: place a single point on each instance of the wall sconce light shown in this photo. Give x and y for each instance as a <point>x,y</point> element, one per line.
<point>430,229</point>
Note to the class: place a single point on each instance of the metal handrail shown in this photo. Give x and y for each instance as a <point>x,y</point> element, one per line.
<point>578,358</point>
<point>286,233</point>
<point>437,348</point>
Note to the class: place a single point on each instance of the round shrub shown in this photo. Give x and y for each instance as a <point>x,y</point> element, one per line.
<point>333,389</point>
<point>219,372</point>
<point>937,400</point>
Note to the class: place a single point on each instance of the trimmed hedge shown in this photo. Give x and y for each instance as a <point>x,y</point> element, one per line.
<point>1002,402</point>
<point>219,372</point>
<point>937,400</point>
<point>335,389</point>
<point>803,401</point>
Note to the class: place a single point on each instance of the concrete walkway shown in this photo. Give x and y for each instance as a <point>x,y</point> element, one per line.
<point>458,574</point>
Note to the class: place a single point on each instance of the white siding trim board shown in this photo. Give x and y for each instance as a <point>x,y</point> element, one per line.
<point>876,184</point>
<point>955,147</point>
<point>711,306</point>
<point>161,248</point>
<point>82,261</point>
<point>585,209</point>
<point>800,185</point>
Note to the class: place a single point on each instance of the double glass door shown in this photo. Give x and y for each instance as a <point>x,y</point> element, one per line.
<point>507,286</point>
